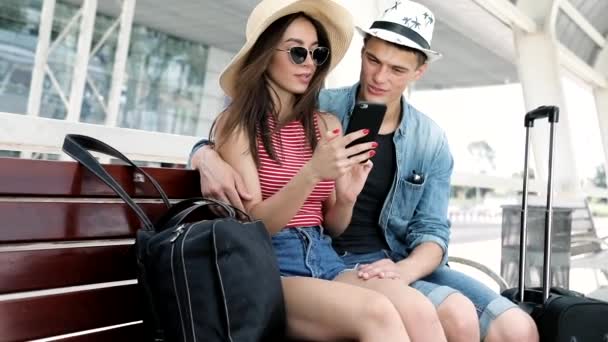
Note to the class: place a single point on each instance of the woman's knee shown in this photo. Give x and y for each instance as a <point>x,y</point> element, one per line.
<point>377,311</point>
<point>459,317</point>
<point>419,309</point>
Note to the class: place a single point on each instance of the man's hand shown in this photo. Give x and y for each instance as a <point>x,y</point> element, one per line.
<point>218,179</point>
<point>422,261</point>
<point>384,269</point>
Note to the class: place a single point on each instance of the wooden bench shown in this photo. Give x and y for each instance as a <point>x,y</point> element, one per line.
<point>66,258</point>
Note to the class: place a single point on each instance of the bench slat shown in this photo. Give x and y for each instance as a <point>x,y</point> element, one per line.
<point>31,318</point>
<point>41,269</point>
<point>55,178</point>
<point>48,221</point>
<point>130,333</point>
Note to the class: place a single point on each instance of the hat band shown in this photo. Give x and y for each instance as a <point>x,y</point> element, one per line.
<point>402,30</point>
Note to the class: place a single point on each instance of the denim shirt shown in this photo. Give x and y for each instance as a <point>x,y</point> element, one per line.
<point>412,213</point>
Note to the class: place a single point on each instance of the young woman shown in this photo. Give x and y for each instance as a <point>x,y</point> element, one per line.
<point>303,179</point>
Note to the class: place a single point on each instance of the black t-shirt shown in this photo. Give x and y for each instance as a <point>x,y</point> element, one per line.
<point>364,234</point>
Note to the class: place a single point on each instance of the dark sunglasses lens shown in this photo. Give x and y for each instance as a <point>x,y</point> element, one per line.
<point>319,55</point>
<point>298,54</point>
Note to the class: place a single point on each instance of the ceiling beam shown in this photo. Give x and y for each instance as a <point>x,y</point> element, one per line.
<point>601,63</point>
<point>510,14</point>
<point>582,22</point>
<point>466,17</point>
<point>541,12</point>
<point>545,12</point>
<point>580,68</point>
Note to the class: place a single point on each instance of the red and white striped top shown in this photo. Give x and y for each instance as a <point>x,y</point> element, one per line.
<point>293,151</point>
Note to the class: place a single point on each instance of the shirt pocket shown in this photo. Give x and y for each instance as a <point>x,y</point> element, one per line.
<point>409,196</point>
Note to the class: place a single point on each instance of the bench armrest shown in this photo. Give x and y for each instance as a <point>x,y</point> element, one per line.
<point>502,284</point>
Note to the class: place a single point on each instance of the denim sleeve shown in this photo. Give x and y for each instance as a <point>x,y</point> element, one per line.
<point>430,221</point>
<point>325,100</point>
<point>201,143</point>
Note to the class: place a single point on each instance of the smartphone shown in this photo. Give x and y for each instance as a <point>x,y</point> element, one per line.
<point>366,115</point>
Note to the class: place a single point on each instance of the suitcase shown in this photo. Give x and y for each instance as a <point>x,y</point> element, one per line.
<point>561,315</point>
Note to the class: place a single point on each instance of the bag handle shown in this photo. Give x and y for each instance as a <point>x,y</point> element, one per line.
<point>178,218</point>
<point>78,146</point>
<point>190,206</point>
<point>85,143</point>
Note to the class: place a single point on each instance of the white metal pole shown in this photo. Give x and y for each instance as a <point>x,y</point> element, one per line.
<point>66,30</point>
<point>44,40</point>
<point>601,100</point>
<point>89,7</point>
<point>601,103</point>
<point>540,76</point>
<point>120,62</point>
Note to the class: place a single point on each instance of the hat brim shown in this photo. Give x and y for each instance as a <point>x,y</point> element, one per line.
<point>396,38</point>
<point>336,20</point>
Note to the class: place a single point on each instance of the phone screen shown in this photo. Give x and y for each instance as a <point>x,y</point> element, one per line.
<point>366,115</point>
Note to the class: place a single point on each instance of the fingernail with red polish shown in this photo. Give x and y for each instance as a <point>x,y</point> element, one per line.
<point>374,144</point>
<point>372,153</point>
<point>366,131</point>
<point>336,131</point>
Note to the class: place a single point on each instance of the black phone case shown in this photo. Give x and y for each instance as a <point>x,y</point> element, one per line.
<point>366,115</point>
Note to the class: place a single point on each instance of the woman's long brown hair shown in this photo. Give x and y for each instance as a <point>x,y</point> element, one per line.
<point>253,103</point>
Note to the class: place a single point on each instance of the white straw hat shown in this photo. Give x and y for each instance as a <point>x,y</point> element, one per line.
<point>406,23</point>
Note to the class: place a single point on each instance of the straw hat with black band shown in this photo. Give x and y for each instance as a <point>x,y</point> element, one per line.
<point>406,23</point>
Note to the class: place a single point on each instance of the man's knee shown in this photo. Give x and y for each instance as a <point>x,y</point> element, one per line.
<point>459,317</point>
<point>513,325</point>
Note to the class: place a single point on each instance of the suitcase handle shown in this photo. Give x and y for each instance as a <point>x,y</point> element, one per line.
<point>551,112</point>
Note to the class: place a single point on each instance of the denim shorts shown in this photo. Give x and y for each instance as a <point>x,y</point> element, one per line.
<point>443,282</point>
<point>306,252</point>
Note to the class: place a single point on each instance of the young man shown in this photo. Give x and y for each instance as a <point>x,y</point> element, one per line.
<point>399,224</point>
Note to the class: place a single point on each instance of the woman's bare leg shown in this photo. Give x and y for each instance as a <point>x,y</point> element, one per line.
<point>322,310</point>
<point>417,312</point>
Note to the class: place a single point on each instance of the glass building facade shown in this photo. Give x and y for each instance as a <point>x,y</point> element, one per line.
<point>164,80</point>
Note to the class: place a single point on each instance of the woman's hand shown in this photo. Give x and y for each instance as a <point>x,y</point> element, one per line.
<point>332,160</point>
<point>351,183</point>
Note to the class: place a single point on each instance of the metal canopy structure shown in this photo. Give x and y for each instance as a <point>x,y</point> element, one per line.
<point>485,42</point>
<point>472,57</point>
<point>476,36</point>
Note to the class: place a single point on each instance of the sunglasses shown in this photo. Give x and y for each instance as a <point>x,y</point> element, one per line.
<point>298,54</point>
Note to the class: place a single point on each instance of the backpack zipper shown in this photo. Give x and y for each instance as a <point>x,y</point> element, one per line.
<point>186,281</point>
<point>219,273</point>
<point>178,231</point>
<point>179,308</point>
